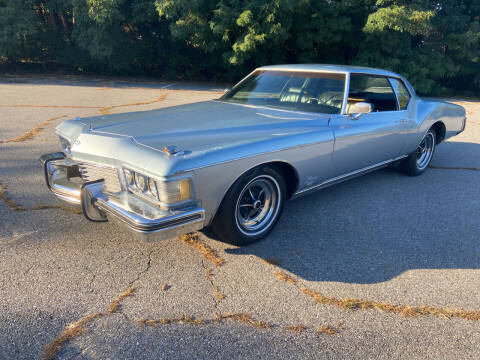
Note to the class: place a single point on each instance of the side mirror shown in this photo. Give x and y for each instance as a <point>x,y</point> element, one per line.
<point>360,108</point>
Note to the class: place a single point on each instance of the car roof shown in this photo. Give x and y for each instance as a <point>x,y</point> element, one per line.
<point>330,68</point>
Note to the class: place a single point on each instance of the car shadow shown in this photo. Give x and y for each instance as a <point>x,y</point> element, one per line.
<point>373,228</point>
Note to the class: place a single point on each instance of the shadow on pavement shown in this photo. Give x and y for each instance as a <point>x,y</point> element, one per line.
<point>373,228</point>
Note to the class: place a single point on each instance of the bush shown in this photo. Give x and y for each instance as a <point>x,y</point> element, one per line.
<point>435,44</point>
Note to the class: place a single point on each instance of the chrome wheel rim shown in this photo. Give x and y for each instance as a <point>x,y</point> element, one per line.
<point>425,151</point>
<point>257,205</point>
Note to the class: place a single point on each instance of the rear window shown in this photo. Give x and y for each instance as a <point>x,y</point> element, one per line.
<point>403,95</point>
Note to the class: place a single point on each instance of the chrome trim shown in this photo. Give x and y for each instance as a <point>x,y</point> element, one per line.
<point>94,171</point>
<point>141,217</point>
<point>350,175</point>
<point>345,95</point>
<point>57,177</point>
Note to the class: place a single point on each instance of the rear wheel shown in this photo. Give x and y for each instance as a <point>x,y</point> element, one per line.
<point>418,161</point>
<point>251,207</point>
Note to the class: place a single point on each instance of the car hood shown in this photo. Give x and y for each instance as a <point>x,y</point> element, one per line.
<point>204,125</point>
<point>203,134</point>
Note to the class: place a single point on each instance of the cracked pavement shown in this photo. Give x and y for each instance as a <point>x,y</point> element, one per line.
<point>383,237</point>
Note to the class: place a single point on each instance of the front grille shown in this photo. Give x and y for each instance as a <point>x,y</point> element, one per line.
<point>92,172</point>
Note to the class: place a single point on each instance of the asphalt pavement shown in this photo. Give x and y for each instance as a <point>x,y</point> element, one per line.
<point>383,266</point>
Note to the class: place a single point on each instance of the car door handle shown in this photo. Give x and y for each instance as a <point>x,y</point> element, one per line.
<point>400,121</point>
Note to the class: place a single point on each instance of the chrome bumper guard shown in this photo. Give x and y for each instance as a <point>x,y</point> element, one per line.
<point>63,179</point>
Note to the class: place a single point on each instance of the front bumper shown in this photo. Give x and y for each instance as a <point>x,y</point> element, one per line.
<point>142,218</point>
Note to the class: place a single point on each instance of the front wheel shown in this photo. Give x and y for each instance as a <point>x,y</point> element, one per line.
<point>251,207</point>
<point>418,161</point>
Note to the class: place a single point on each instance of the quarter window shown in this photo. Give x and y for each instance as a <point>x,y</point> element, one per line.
<point>375,90</point>
<point>403,95</point>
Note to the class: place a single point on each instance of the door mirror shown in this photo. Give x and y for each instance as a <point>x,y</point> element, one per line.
<point>361,108</point>
<point>356,110</point>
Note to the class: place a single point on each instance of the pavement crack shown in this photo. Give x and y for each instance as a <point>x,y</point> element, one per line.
<point>14,206</point>
<point>454,168</point>
<point>357,304</point>
<point>77,328</point>
<point>32,133</point>
<point>37,130</point>
<point>193,240</point>
<point>92,279</point>
<point>218,295</point>
<point>145,270</point>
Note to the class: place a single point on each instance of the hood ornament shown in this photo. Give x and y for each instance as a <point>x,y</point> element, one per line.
<point>170,150</point>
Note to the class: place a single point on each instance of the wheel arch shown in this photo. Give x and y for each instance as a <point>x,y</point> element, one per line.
<point>440,131</point>
<point>288,171</point>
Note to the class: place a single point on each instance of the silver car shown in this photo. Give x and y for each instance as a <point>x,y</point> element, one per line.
<point>231,163</point>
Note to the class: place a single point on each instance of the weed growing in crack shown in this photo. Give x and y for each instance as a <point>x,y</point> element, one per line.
<point>30,134</point>
<point>285,277</point>
<point>77,328</point>
<point>296,328</point>
<point>208,253</point>
<point>328,330</point>
<point>354,304</point>
<point>14,206</point>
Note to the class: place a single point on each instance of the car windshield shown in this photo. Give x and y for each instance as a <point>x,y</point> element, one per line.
<point>291,90</point>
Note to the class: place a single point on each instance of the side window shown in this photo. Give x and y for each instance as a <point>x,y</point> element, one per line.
<point>375,90</point>
<point>403,95</point>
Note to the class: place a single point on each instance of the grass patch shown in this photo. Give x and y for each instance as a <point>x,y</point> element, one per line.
<point>208,253</point>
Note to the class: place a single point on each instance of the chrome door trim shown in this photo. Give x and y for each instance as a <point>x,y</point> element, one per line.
<point>344,177</point>
<point>345,95</point>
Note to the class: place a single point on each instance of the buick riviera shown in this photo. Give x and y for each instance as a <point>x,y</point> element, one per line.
<point>231,163</point>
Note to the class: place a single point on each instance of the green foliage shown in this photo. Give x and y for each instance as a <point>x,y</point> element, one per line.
<point>435,44</point>
<point>16,27</point>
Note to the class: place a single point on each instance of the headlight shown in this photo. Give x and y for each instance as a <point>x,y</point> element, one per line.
<point>152,188</point>
<point>129,176</point>
<point>174,191</point>
<point>168,192</point>
<point>66,146</point>
<point>141,182</point>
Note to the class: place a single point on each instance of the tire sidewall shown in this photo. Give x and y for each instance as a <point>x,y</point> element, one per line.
<point>417,169</point>
<point>225,222</point>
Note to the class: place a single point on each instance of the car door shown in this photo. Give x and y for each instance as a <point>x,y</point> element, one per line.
<point>365,140</point>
